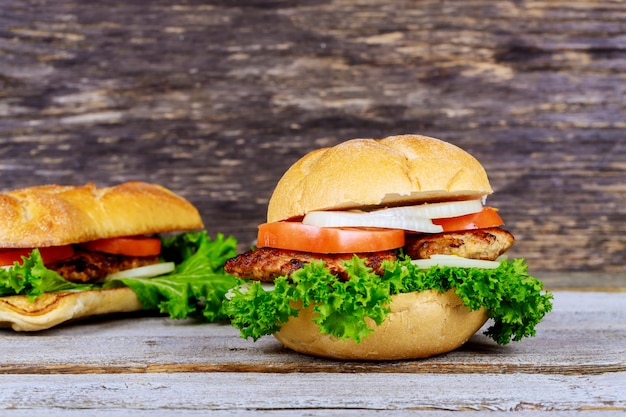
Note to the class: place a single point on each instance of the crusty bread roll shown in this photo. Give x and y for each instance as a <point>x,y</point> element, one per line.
<point>420,325</point>
<point>366,172</point>
<point>53,215</point>
<point>55,308</point>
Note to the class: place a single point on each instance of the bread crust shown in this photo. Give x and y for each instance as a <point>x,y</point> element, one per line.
<point>54,215</point>
<point>52,309</point>
<point>404,169</point>
<point>420,325</point>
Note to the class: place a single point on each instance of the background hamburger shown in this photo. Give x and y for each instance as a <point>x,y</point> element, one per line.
<point>69,252</point>
<point>383,249</point>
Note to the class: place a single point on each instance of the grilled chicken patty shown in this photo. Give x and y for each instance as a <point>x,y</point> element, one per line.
<point>266,264</point>
<point>93,266</point>
<point>485,244</point>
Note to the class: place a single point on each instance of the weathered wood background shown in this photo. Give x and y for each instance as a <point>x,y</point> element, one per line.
<point>215,99</point>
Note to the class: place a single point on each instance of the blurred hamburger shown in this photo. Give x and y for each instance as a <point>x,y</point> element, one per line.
<point>73,252</point>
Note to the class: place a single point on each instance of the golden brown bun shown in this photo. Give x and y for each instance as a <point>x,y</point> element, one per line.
<point>406,169</point>
<point>420,325</point>
<point>52,309</point>
<point>53,215</point>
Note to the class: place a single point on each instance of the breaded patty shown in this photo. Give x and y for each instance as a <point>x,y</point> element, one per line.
<point>92,266</point>
<point>266,264</point>
<point>485,244</point>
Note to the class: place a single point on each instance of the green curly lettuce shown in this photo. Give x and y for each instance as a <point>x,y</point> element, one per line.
<point>514,300</point>
<point>31,278</point>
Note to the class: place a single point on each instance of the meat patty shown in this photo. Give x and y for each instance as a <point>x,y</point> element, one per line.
<point>485,244</point>
<point>93,266</point>
<point>266,264</point>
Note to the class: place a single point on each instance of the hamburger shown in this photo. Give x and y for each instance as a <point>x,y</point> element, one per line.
<point>382,249</point>
<point>71,252</point>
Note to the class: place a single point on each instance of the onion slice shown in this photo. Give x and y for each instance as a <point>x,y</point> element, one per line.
<point>412,218</point>
<point>148,271</point>
<point>432,210</point>
<point>352,219</point>
<point>454,261</point>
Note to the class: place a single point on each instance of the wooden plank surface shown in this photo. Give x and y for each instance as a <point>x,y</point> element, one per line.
<point>568,342</point>
<point>215,99</point>
<point>301,393</point>
<point>576,362</point>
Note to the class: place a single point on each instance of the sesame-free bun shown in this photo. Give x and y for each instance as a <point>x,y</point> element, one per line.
<point>420,325</point>
<point>397,170</point>
<point>51,309</point>
<point>55,215</point>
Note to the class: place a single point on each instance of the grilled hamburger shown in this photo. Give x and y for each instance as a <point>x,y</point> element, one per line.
<point>383,249</point>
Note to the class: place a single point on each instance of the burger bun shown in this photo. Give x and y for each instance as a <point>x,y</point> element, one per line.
<point>420,324</point>
<point>397,170</point>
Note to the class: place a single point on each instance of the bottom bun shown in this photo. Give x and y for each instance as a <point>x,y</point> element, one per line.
<point>55,308</point>
<point>420,325</point>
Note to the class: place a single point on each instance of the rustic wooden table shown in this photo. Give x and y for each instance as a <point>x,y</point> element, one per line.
<point>156,366</point>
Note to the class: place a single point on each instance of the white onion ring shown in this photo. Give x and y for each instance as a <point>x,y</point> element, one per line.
<point>412,218</point>
<point>148,271</point>
<point>432,210</point>
<point>454,261</point>
<point>351,219</point>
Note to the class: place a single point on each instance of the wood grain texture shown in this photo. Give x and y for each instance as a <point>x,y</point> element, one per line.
<point>584,335</point>
<point>215,99</point>
<point>575,364</point>
<point>256,393</point>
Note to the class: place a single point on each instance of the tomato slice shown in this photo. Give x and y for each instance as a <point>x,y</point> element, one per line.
<point>49,255</point>
<point>128,246</point>
<point>488,217</point>
<point>305,238</point>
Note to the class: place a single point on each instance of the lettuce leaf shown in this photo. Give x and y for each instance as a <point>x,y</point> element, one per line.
<point>514,300</point>
<point>196,288</point>
<point>198,285</point>
<point>32,278</point>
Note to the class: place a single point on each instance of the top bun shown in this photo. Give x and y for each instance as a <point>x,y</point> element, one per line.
<point>54,215</point>
<point>397,170</point>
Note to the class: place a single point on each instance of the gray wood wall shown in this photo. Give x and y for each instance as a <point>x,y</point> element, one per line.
<point>215,99</point>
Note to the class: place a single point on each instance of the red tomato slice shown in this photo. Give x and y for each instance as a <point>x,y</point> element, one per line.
<point>129,246</point>
<point>305,238</point>
<point>49,255</point>
<point>488,217</point>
